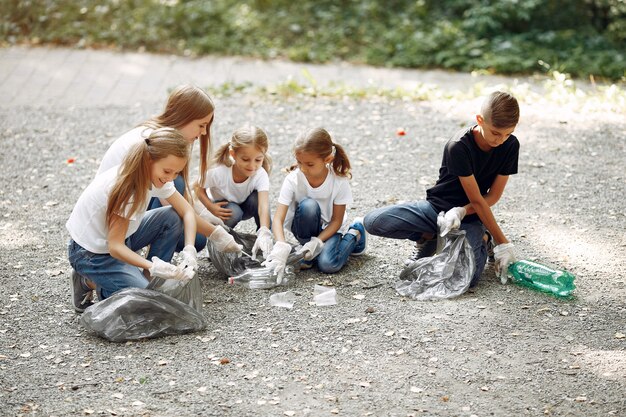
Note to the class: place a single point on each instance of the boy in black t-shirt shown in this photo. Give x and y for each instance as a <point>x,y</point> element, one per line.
<point>476,165</point>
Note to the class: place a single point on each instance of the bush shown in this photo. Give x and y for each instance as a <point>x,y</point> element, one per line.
<point>581,37</point>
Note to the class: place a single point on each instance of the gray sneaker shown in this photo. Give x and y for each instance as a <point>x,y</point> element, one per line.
<point>422,249</point>
<point>81,293</point>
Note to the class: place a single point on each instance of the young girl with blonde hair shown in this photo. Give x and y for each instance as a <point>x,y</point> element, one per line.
<point>237,187</point>
<point>189,109</point>
<point>110,222</point>
<point>312,204</point>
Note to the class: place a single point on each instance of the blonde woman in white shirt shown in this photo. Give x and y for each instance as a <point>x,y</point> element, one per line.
<point>237,186</point>
<point>312,204</point>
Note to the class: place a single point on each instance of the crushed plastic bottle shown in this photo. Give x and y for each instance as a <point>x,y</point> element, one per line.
<point>262,278</point>
<point>543,278</point>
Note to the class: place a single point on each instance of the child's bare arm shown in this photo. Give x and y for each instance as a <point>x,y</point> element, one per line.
<point>117,245</point>
<point>481,207</point>
<point>494,193</point>
<point>335,223</point>
<point>264,208</point>
<point>279,219</point>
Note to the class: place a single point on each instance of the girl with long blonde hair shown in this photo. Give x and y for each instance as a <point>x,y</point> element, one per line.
<point>110,222</point>
<point>190,110</point>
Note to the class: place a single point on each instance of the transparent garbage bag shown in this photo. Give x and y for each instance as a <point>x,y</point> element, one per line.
<point>232,266</point>
<point>446,275</point>
<point>189,292</point>
<point>166,307</point>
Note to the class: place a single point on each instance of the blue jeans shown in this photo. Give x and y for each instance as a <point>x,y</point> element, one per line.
<point>159,228</point>
<point>244,211</point>
<point>200,242</point>
<point>413,219</point>
<point>307,223</point>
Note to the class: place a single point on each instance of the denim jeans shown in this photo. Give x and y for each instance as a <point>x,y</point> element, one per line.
<point>307,223</point>
<point>244,211</point>
<point>159,228</point>
<point>200,242</point>
<point>413,219</point>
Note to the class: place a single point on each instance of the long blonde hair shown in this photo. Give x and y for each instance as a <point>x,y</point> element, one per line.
<point>241,138</point>
<point>134,177</point>
<point>185,104</point>
<point>317,141</point>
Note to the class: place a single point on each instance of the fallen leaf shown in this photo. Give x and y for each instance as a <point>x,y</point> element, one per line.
<point>619,335</point>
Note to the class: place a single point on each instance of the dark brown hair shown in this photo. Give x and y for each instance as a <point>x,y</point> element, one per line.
<point>501,110</point>
<point>317,141</point>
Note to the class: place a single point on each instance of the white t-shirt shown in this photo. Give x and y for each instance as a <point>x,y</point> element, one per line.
<point>87,223</point>
<point>119,149</point>
<point>334,191</point>
<point>220,185</point>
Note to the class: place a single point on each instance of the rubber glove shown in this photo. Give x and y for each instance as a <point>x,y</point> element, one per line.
<point>277,259</point>
<point>189,257</point>
<point>263,242</point>
<point>224,242</point>
<point>450,220</point>
<point>166,270</point>
<point>504,255</point>
<point>312,248</point>
<point>205,214</point>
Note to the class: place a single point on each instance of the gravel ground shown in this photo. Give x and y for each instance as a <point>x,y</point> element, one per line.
<point>497,350</point>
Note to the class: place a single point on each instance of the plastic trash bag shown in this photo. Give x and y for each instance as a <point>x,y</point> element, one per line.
<point>189,293</point>
<point>447,274</point>
<point>137,313</point>
<point>231,265</point>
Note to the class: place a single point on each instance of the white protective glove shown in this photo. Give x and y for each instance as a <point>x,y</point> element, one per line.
<point>450,220</point>
<point>312,248</point>
<point>205,214</point>
<point>277,259</point>
<point>504,255</point>
<point>189,261</point>
<point>224,242</point>
<point>263,242</point>
<point>166,270</point>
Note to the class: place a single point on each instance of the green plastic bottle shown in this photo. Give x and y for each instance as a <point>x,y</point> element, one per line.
<point>543,278</point>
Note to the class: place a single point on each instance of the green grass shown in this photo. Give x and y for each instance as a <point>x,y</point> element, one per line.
<point>558,88</point>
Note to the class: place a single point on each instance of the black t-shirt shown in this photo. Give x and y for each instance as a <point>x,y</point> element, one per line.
<point>461,158</point>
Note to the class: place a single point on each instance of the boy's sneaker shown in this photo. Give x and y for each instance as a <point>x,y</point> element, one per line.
<point>81,293</point>
<point>490,245</point>
<point>361,245</point>
<point>423,249</point>
<point>306,264</point>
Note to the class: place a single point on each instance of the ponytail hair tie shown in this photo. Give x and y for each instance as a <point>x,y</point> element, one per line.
<point>147,141</point>
<point>333,150</point>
